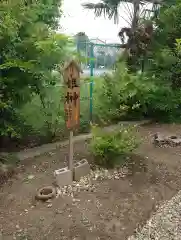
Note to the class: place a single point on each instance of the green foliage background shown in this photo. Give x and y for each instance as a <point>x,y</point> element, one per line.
<point>31,59</point>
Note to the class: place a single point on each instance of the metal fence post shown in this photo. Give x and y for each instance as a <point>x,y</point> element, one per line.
<point>91,79</point>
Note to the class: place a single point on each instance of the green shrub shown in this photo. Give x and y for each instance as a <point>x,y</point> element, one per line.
<point>32,49</point>
<point>123,95</point>
<point>128,96</point>
<point>110,148</point>
<point>47,119</point>
<point>106,100</point>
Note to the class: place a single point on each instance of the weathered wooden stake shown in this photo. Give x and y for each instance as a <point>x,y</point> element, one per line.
<point>72,103</point>
<point>71,150</point>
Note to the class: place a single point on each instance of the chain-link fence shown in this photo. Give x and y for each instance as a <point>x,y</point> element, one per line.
<point>98,59</point>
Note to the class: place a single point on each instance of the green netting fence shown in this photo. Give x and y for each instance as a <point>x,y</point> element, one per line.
<point>99,59</point>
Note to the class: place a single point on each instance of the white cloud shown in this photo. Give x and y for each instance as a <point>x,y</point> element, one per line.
<point>76,19</point>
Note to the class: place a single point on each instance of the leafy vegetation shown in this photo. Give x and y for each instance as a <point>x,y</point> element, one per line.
<point>32,54</point>
<point>136,37</point>
<point>154,93</point>
<point>126,96</point>
<point>49,119</point>
<point>30,51</point>
<point>111,148</point>
<point>123,94</point>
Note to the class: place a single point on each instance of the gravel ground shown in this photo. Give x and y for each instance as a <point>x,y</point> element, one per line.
<point>105,205</point>
<point>164,224</point>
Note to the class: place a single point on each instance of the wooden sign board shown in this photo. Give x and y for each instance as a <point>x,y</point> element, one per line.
<point>72,95</point>
<point>72,107</point>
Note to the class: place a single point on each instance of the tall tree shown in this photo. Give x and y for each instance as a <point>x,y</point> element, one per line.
<point>110,9</point>
<point>138,34</point>
<point>82,41</point>
<point>29,50</point>
<point>165,61</point>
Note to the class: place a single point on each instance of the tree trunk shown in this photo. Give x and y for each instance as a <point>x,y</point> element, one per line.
<point>136,9</point>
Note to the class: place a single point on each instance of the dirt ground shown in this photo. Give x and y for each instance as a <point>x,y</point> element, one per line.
<point>113,211</point>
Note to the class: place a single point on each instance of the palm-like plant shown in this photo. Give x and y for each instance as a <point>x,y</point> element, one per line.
<point>136,33</point>
<point>110,8</point>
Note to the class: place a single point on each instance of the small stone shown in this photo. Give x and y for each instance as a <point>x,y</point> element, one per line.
<point>116,177</point>
<point>49,205</point>
<point>83,188</point>
<point>125,170</point>
<point>17,226</point>
<point>30,177</point>
<point>92,189</point>
<point>11,197</point>
<point>26,210</point>
<point>51,153</point>
<point>42,218</point>
<point>49,201</point>
<point>97,177</point>
<point>90,229</point>
<point>75,200</point>
<point>59,212</point>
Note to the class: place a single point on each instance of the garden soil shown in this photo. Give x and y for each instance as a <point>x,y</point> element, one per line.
<point>114,210</point>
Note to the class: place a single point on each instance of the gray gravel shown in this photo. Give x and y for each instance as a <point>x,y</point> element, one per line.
<point>164,224</point>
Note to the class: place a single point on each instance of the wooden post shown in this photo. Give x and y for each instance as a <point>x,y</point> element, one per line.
<point>71,151</point>
<point>72,103</point>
